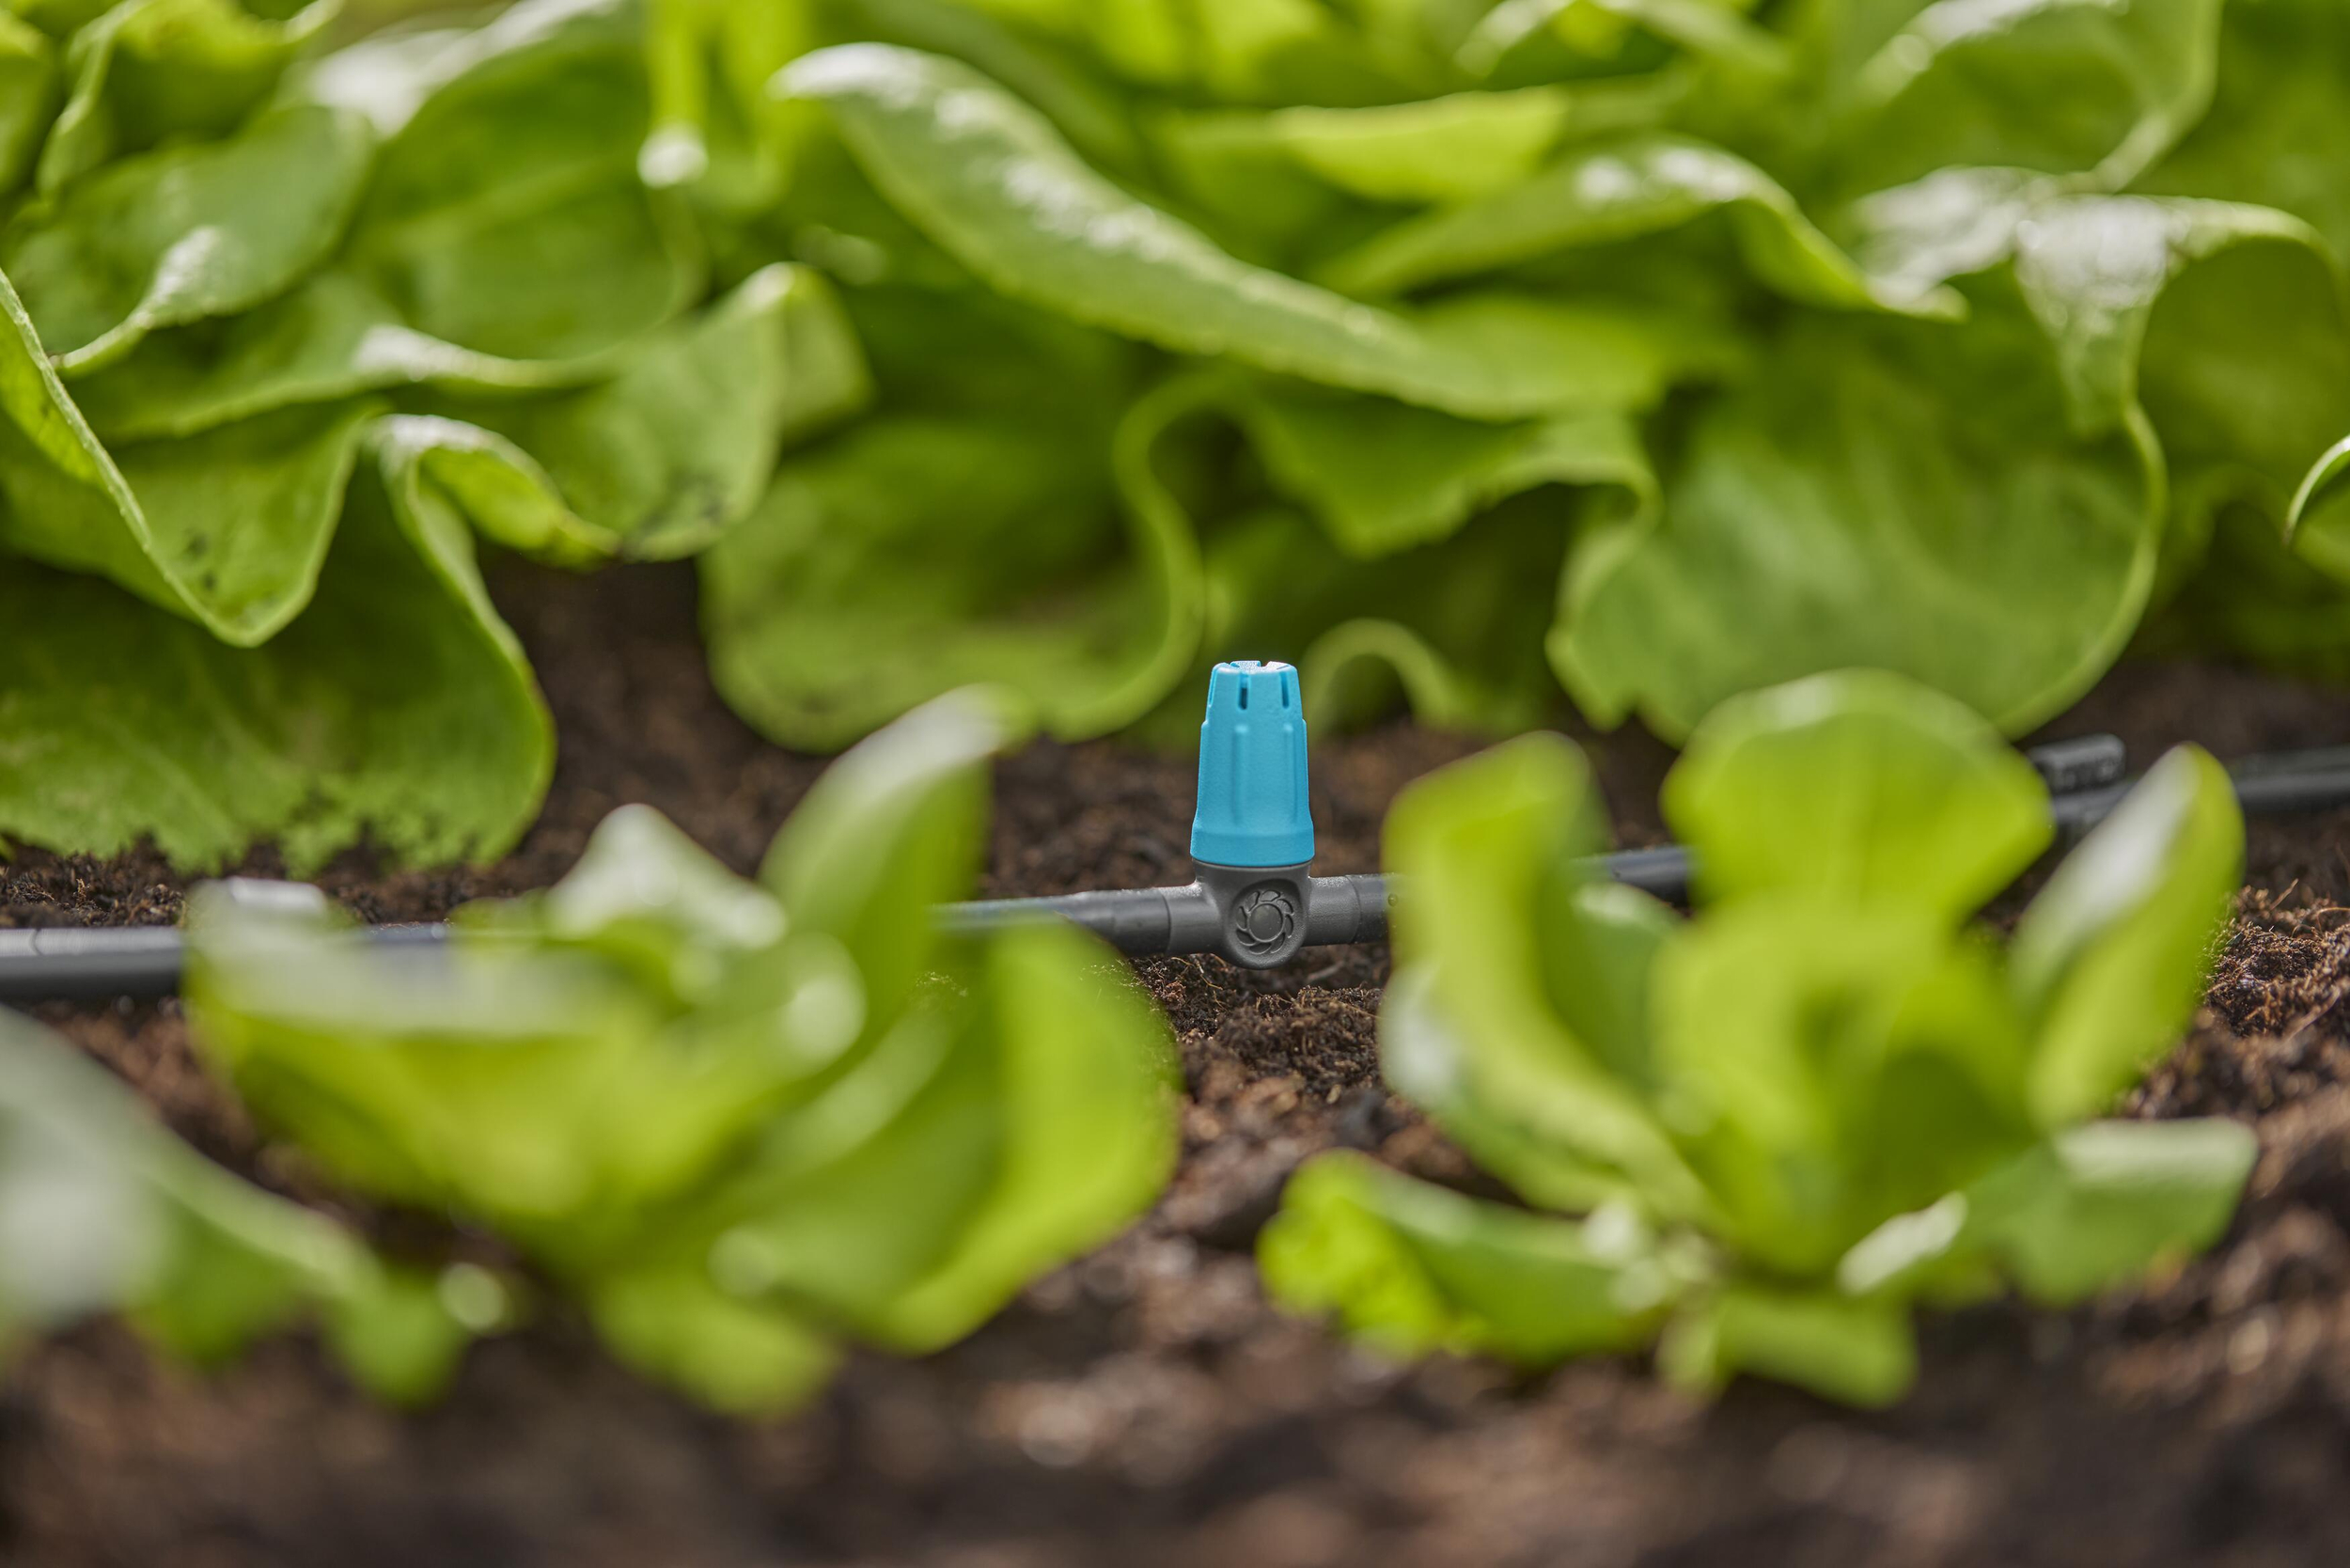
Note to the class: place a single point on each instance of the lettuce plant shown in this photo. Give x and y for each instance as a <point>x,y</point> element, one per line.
<point>1631,352</point>
<point>103,1212</point>
<point>1656,353</point>
<point>282,332</point>
<point>742,1121</point>
<point>1755,1137</point>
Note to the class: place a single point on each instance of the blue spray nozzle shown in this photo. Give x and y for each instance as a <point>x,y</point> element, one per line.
<point>1253,805</point>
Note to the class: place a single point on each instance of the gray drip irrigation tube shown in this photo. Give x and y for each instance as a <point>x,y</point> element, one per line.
<point>1251,898</point>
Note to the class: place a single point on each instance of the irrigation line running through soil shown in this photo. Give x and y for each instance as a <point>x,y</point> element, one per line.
<point>2085,778</point>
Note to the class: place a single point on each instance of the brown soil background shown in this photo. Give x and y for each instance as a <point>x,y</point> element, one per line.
<point>1145,1406</point>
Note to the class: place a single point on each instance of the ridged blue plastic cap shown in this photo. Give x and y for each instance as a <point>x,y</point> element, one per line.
<point>1253,807</point>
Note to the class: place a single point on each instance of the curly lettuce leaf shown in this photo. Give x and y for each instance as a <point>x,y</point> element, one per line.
<point>2101,1204</point>
<point>679,445</point>
<point>1907,498</point>
<point>505,214</point>
<point>1382,477</point>
<point>101,1210</point>
<point>1482,1026</point>
<point>398,707</point>
<point>1858,787</point>
<point>1619,189</point>
<point>1827,1066</point>
<point>713,126</point>
<point>231,525</point>
<point>2225,323</point>
<point>1384,582</point>
<point>969,530</point>
<point>1394,561</point>
<point>145,72</point>
<point>1945,89</point>
<point>1858,1351</point>
<point>1409,1268</point>
<point>2109,960</point>
<point>2278,126</point>
<point>230,529</point>
<point>30,86</point>
<point>186,233</point>
<point>998,187</point>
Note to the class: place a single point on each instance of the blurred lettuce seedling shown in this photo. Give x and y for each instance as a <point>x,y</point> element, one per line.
<point>744,1122</point>
<point>103,1212</point>
<point>1755,1137</point>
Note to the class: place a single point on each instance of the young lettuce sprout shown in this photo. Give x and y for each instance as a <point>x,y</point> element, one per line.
<point>742,1121</point>
<point>102,1211</point>
<point>1829,1095</point>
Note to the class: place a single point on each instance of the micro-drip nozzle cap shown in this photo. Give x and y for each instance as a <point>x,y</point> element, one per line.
<point>1253,805</point>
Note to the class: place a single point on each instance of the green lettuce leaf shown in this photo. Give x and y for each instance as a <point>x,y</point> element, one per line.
<point>2103,1203</point>
<point>30,84</point>
<point>1858,1352</point>
<point>101,1210</point>
<point>1828,1066</point>
<point>149,72</point>
<point>1620,188</point>
<point>2224,324</point>
<point>2228,319</point>
<point>712,125</point>
<point>969,530</point>
<point>736,1355</point>
<point>679,445</point>
<point>1855,786</point>
<point>1439,149</point>
<point>186,233</point>
<point>334,336</point>
<point>1473,1028</point>
<point>1904,498</point>
<point>1410,1268</point>
<point>396,707</point>
<point>2315,519</point>
<point>2278,125</point>
<point>1071,90</point>
<point>1087,1136</point>
<point>739,1120</point>
<point>1960,83</point>
<point>1392,555</point>
<point>505,213</point>
<point>1382,477</point>
<point>2109,959</point>
<point>995,184</point>
<point>845,598</point>
<point>896,828</point>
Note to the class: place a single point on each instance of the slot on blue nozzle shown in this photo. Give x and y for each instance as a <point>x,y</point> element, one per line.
<point>1253,808</point>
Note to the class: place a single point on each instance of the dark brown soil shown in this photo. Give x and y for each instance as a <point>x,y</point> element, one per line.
<point>1145,1406</point>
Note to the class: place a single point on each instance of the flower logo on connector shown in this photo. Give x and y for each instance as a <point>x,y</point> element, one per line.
<point>1264,920</point>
